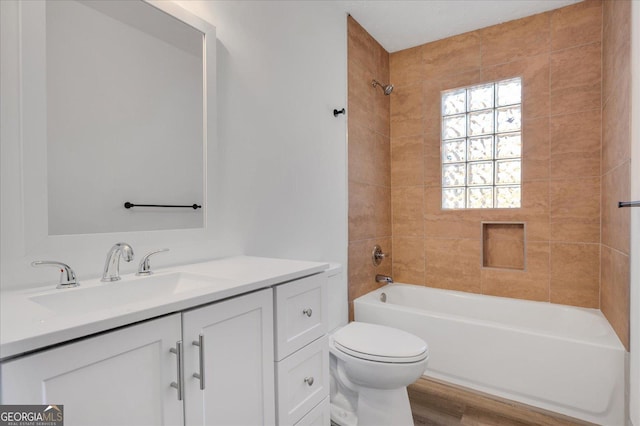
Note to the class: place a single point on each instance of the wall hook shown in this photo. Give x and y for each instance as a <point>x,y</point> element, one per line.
<point>337,112</point>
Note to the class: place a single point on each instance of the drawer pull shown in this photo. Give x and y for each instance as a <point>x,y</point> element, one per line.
<point>179,384</point>
<point>309,381</point>
<point>200,375</point>
<point>307,312</point>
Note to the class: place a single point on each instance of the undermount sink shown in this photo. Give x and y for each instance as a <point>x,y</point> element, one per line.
<point>94,295</point>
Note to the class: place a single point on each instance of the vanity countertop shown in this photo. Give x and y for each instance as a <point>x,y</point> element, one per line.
<point>27,323</point>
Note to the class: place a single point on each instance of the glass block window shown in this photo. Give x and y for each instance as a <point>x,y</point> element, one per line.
<point>482,146</point>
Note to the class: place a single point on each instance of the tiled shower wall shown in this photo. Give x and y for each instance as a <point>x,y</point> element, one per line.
<point>369,167</point>
<point>558,56</point>
<point>576,74</point>
<point>616,149</point>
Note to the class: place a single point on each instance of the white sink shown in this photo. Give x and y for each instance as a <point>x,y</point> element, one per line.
<point>95,295</point>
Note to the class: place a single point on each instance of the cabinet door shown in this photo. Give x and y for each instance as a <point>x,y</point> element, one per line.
<point>118,378</point>
<point>237,362</point>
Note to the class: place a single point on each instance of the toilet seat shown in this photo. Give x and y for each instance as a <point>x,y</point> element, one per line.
<point>378,343</point>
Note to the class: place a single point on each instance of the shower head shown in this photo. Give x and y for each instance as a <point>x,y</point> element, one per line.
<point>386,88</point>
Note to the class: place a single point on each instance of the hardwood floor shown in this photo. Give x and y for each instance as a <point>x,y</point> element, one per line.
<point>436,403</point>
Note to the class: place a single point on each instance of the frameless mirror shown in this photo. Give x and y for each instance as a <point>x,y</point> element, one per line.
<point>124,118</point>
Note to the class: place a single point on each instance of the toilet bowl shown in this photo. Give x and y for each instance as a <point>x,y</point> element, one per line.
<point>371,366</point>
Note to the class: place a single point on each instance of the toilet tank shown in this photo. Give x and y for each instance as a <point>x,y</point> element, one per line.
<point>338,296</point>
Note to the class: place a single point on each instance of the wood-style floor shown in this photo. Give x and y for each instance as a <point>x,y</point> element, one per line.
<point>435,403</point>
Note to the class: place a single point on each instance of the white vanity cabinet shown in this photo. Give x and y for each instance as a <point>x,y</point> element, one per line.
<point>124,377</point>
<point>302,352</point>
<point>118,378</point>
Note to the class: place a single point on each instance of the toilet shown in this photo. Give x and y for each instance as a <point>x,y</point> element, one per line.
<point>370,368</point>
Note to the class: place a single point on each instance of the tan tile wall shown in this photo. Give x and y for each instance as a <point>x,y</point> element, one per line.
<point>558,55</point>
<point>369,160</point>
<point>616,148</point>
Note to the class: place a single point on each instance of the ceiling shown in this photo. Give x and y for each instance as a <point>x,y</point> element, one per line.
<point>400,24</point>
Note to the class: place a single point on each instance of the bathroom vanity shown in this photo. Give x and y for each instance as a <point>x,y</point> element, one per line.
<point>232,341</point>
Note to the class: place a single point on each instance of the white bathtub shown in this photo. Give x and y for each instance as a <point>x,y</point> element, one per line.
<point>556,357</point>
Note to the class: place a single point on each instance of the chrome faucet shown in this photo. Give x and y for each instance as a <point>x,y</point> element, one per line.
<point>67,276</point>
<point>384,279</point>
<point>112,265</point>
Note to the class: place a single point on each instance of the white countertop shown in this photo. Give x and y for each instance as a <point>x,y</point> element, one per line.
<point>26,325</point>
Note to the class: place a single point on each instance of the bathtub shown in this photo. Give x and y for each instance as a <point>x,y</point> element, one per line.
<point>559,358</point>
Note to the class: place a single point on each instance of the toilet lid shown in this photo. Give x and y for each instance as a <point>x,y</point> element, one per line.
<point>379,343</point>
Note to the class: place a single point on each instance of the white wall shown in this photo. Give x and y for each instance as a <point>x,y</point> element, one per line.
<point>281,72</point>
<point>634,379</point>
<point>281,155</point>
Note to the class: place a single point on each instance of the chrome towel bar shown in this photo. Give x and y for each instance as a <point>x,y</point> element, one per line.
<point>628,204</point>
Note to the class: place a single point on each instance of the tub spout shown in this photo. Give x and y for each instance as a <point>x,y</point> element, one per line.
<point>384,279</point>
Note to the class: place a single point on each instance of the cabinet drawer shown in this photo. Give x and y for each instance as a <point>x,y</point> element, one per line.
<point>302,381</point>
<point>301,317</point>
<point>320,415</point>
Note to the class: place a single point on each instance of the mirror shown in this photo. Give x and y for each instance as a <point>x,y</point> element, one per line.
<point>125,118</point>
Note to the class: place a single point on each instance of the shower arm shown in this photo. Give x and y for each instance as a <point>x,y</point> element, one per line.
<point>386,88</point>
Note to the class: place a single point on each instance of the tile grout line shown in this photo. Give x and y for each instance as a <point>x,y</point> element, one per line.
<point>481,240</point>
<point>549,262</point>
<point>601,151</point>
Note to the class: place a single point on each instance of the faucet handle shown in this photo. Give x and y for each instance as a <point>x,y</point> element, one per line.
<point>145,267</point>
<point>377,256</point>
<point>67,276</point>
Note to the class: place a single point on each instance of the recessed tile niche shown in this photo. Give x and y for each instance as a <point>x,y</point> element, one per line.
<point>503,245</point>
